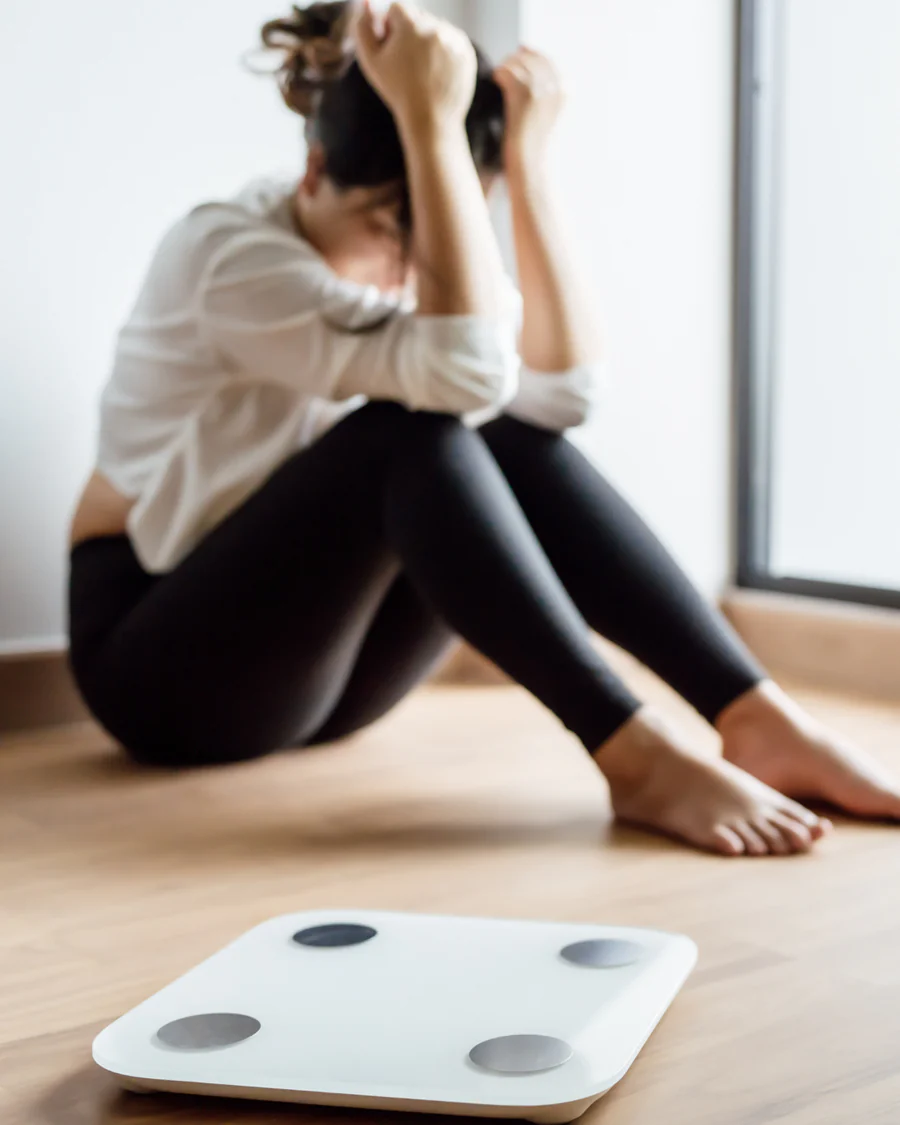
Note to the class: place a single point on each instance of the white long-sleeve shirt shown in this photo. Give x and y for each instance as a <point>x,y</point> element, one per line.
<point>233,359</point>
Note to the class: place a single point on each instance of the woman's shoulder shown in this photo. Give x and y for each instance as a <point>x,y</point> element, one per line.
<point>264,203</point>
<point>262,206</point>
<point>256,221</point>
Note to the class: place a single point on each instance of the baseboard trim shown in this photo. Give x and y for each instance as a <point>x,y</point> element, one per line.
<point>37,690</point>
<point>829,645</point>
<point>824,644</point>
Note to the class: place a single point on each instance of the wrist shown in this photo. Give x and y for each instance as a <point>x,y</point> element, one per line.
<point>425,126</point>
<point>527,177</point>
<point>525,155</point>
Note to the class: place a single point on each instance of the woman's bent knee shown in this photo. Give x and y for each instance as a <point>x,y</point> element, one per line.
<point>399,418</point>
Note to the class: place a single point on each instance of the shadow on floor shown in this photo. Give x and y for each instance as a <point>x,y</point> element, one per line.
<point>90,1097</point>
<point>166,814</point>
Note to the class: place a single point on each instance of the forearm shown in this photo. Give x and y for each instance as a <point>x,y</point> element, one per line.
<point>458,261</point>
<point>559,329</point>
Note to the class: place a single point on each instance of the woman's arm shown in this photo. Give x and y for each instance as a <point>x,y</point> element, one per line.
<point>275,311</point>
<point>425,71</point>
<point>559,331</point>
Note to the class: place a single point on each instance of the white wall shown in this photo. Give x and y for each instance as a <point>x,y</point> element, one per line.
<point>110,130</point>
<point>115,120</point>
<point>645,162</point>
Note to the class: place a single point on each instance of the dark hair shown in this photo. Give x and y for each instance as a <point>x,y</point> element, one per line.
<point>321,80</point>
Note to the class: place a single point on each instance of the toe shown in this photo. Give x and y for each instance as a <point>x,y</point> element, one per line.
<point>770,831</point>
<point>798,834</point>
<point>727,841</point>
<point>815,825</point>
<point>754,844</point>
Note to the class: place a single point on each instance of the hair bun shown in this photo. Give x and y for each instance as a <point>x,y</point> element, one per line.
<point>317,43</point>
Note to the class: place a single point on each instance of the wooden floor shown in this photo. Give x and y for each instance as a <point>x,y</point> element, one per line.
<point>470,801</point>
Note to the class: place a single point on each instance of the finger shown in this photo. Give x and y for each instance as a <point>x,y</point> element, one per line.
<point>531,59</point>
<point>543,73</point>
<point>527,53</point>
<point>532,53</point>
<point>533,76</point>
<point>524,66</point>
<point>518,70</point>
<point>544,66</point>
<point>536,60</point>
<point>398,15</point>
<point>508,82</point>
<point>367,38</point>
<point>511,60</point>
<point>411,16</point>
<point>508,71</point>
<point>504,77</point>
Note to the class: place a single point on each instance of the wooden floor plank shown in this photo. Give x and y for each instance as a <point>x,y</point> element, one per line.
<point>466,800</point>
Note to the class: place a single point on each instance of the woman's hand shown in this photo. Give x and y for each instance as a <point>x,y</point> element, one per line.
<point>534,98</point>
<point>423,68</point>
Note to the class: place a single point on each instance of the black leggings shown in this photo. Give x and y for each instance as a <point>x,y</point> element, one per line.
<point>316,606</point>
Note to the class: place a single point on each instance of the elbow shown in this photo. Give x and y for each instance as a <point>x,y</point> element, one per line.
<point>558,416</point>
<point>473,384</point>
<point>561,401</point>
<point>496,386</point>
<point>579,402</point>
<point>463,365</point>
<point>573,413</point>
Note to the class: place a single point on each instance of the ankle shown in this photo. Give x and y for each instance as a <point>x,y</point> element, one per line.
<point>758,704</point>
<point>625,758</point>
<point>761,706</point>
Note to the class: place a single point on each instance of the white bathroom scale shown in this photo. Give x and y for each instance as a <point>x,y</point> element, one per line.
<point>468,1016</point>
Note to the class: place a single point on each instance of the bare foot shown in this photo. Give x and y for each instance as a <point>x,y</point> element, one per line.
<point>659,782</point>
<point>768,735</point>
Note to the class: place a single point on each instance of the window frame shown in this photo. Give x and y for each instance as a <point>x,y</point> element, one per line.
<point>756,222</point>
